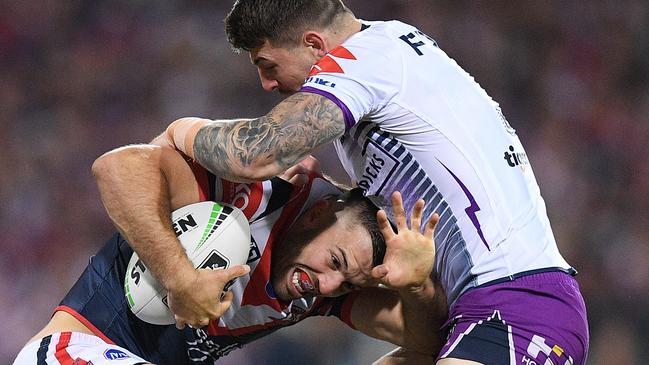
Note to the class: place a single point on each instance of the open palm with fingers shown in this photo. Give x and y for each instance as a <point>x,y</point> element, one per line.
<point>410,254</point>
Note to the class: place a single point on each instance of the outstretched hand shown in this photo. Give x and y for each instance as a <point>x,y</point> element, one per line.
<point>198,300</point>
<point>409,255</point>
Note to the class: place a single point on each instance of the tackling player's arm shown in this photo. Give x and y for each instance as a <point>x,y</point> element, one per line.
<point>140,185</point>
<point>411,321</point>
<point>257,149</point>
<point>401,356</point>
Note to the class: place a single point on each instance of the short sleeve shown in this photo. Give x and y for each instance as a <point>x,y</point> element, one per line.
<point>360,76</point>
<point>207,189</point>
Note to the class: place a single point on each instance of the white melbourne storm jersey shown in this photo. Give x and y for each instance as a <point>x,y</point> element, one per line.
<point>419,124</point>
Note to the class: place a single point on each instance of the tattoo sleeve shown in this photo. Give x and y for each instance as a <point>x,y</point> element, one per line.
<point>255,149</point>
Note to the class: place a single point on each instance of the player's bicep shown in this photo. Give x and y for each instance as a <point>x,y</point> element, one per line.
<point>377,313</point>
<point>181,181</point>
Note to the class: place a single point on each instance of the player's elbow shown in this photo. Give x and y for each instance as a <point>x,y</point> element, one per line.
<point>116,162</point>
<point>103,165</point>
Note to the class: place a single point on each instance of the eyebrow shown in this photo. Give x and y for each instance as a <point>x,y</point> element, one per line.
<point>258,59</point>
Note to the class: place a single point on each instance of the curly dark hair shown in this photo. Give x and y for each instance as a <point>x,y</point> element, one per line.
<point>250,23</point>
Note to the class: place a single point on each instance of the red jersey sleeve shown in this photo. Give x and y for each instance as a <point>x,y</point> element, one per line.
<point>205,181</point>
<point>246,196</point>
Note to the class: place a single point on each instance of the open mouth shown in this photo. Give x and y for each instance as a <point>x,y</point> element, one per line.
<point>302,282</point>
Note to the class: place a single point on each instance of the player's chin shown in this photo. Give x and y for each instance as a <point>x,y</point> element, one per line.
<point>285,93</point>
<point>288,90</point>
<point>283,287</point>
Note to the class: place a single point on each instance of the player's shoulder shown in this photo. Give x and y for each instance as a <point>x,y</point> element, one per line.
<point>377,44</point>
<point>380,33</point>
<point>256,199</point>
<point>261,198</point>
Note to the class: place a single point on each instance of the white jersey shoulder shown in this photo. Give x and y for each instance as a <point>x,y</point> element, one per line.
<point>418,123</point>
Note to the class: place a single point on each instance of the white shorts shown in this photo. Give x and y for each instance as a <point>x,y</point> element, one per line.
<point>74,348</point>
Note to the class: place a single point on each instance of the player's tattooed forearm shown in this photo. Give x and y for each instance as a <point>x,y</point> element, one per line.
<point>287,134</point>
<point>221,147</point>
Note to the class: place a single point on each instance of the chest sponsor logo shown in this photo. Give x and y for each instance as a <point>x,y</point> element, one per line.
<point>247,197</point>
<point>515,158</point>
<point>378,169</point>
<point>241,197</point>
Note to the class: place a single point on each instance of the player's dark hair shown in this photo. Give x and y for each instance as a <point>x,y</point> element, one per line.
<point>252,22</point>
<point>366,211</point>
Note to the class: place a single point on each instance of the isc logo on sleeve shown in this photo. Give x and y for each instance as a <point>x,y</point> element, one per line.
<point>115,354</point>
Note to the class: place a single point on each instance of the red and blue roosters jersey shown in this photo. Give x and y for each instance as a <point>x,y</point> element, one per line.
<point>97,299</point>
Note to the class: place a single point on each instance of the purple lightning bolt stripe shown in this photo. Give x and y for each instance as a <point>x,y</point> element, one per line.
<point>471,209</point>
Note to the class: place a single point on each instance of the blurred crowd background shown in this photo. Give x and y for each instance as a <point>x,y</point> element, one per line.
<point>78,78</point>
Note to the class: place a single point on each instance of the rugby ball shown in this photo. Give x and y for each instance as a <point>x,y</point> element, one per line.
<point>214,236</point>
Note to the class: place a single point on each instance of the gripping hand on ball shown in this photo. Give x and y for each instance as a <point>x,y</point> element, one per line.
<point>196,300</point>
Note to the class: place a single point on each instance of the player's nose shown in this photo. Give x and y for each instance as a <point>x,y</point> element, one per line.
<point>268,84</point>
<point>330,284</point>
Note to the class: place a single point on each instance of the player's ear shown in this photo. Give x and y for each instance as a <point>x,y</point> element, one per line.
<point>316,215</point>
<point>316,41</point>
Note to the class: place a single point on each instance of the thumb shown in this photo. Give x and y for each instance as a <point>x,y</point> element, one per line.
<point>237,271</point>
<point>379,272</point>
<point>180,323</point>
<point>226,301</point>
<point>311,164</point>
<point>299,179</point>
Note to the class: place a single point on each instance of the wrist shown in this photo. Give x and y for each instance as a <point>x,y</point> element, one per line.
<point>425,290</point>
<point>181,276</point>
<point>183,131</point>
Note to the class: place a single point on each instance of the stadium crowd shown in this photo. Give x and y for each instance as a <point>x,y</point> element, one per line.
<point>78,78</point>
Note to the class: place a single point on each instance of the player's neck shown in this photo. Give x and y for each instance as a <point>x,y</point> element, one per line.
<point>346,27</point>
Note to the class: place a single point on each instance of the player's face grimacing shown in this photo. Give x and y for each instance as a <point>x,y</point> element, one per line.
<point>324,255</point>
<point>283,68</point>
